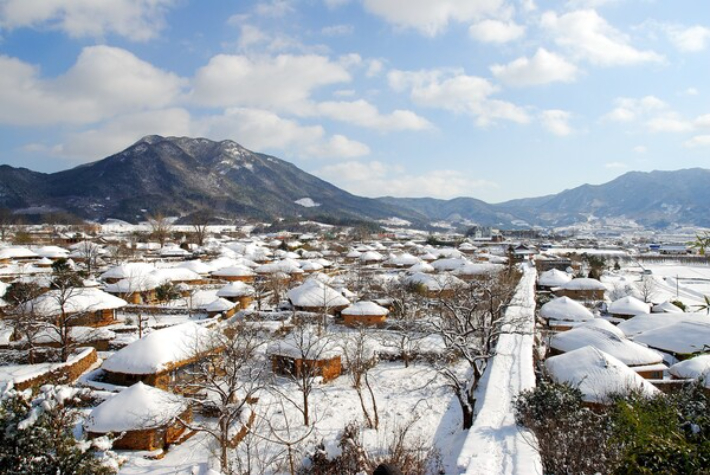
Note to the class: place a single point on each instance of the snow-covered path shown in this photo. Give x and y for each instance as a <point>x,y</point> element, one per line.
<point>495,445</point>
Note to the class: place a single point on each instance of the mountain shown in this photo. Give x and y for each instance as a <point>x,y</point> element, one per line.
<point>652,199</point>
<point>181,175</point>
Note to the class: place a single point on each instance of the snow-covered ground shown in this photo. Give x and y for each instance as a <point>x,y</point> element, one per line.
<point>495,444</point>
<point>414,395</point>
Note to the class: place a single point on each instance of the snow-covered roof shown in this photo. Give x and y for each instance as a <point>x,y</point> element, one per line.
<point>305,345</point>
<point>449,263</point>
<point>365,308</point>
<point>642,323</point>
<point>128,270</point>
<point>604,336</point>
<point>287,266</point>
<point>315,294</point>
<point>435,283</point>
<point>666,307</point>
<point>220,305</point>
<point>52,252</point>
<point>421,267</point>
<point>403,260</point>
<point>236,289</point>
<point>160,349</point>
<point>693,368</point>
<point>75,300</point>
<point>565,309</point>
<point>138,407</point>
<point>478,268</point>
<point>140,283</point>
<point>176,274</point>
<point>628,305</point>
<point>597,374</point>
<point>583,283</point>
<point>16,252</point>
<point>553,278</point>
<point>371,256</point>
<point>196,266</point>
<point>234,271</point>
<point>682,338</point>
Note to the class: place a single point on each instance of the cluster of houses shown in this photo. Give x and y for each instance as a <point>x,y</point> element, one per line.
<point>154,313</point>
<point>608,347</point>
<point>153,316</point>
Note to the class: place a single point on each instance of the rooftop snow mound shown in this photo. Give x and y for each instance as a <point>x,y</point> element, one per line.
<point>628,305</point>
<point>138,407</point>
<point>680,338</point>
<point>565,309</point>
<point>553,278</point>
<point>315,294</point>
<point>160,350</point>
<point>75,300</point>
<point>597,374</point>
<point>694,368</point>
<point>603,336</point>
<point>583,283</point>
<point>365,308</point>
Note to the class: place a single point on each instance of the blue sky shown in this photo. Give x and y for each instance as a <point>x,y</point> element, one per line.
<point>495,99</point>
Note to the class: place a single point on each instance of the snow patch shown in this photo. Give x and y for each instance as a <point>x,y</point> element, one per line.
<point>307,203</point>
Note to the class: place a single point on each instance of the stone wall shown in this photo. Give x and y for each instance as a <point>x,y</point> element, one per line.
<point>62,373</point>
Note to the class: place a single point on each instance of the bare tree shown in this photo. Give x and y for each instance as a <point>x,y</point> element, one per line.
<point>304,348</point>
<point>360,359</point>
<point>90,253</point>
<point>26,324</point>
<point>160,227</point>
<point>224,386</point>
<point>200,222</point>
<point>469,324</point>
<point>647,287</point>
<point>7,222</point>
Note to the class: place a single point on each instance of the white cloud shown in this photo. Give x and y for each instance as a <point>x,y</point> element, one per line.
<point>494,31</point>
<point>364,114</point>
<point>431,17</point>
<point>338,146</point>
<point>284,82</point>
<point>588,36</point>
<point>640,149</point>
<point>338,30</point>
<point>703,121</point>
<point>670,122</point>
<point>264,130</point>
<point>615,165</point>
<point>528,6</point>
<point>688,39</point>
<point>543,68</point>
<point>104,82</point>
<point>629,109</point>
<point>698,141</point>
<point>691,91</point>
<point>374,68</point>
<point>556,121</point>
<point>378,179</point>
<point>137,20</point>
<point>454,91</point>
<point>274,8</point>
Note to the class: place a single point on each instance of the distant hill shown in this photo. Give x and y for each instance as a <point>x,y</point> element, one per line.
<point>181,175</point>
<point>653,199</point>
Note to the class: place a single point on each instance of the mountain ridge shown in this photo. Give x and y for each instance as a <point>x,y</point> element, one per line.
<point>181,175</point>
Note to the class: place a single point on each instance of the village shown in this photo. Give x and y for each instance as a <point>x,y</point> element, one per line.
<point>227,349</point>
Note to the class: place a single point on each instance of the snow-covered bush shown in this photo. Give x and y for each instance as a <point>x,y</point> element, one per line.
<point>37,436</point>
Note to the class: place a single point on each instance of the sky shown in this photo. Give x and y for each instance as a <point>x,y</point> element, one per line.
<point>494,99</point>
